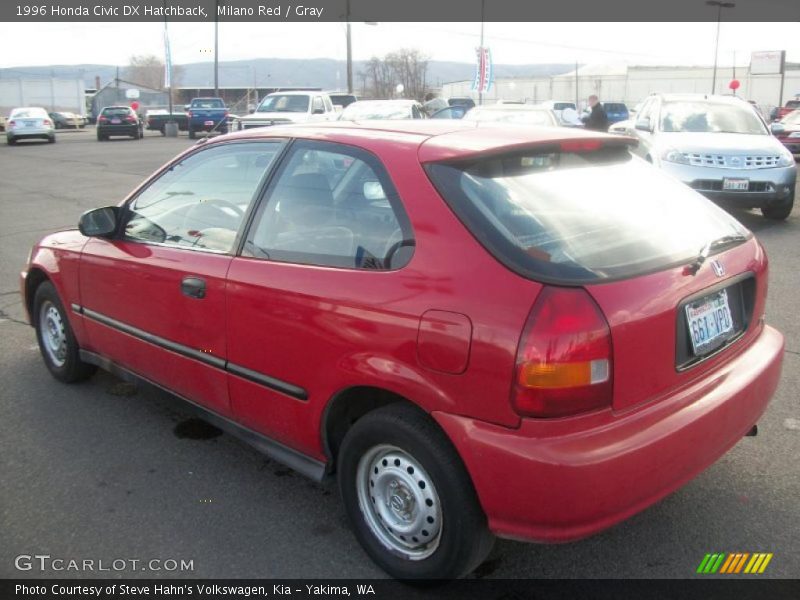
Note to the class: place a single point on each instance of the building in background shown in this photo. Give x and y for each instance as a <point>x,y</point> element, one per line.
<point>52,94</point>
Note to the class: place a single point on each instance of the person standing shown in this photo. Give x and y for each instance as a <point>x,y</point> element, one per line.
<point>597,119</point>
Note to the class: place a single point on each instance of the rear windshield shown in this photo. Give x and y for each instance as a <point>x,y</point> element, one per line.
<point>527,117</point>
<point>285,103</point>
<point>116,112</point>
<point>580,217</point>
<point>33,113</point>
<point>563,105</point>
<point>614,107</point>
<point>208,103</point>
<point>793,104</point>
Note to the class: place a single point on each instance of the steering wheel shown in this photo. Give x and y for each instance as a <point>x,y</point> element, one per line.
<point>387,262</point>
<point>218,205</point>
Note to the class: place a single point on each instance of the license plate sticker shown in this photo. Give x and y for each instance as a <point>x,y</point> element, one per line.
<point>116,121</point>
<point>208,123</point>
<point>710,322</point>
<point>736,185</point>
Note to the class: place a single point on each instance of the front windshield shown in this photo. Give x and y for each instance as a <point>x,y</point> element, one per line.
<point>375,110</point>
<point>293,103</point>
<point>710,117</point>
<point>526,117</point>
<point>793,118</point>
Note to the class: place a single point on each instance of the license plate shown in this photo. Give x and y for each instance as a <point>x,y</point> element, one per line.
<point>209,123</point>
<point>29,123</point>
<point>710,322</point>
<point>116,121</point>
<point>736,185</point>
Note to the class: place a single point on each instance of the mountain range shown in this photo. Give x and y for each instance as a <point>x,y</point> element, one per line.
<point>323,73</point>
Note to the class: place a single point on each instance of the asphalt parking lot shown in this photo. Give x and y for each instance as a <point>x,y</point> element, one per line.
<point>102,470</point>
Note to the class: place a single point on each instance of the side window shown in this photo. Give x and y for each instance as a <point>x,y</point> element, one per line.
<point>332,205</point>
<point>317,105</point>
<point>415,112</point>
<point>328,104</point>
<point>200,202</point>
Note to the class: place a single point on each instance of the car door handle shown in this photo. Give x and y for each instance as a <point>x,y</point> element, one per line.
<point>194,287</point>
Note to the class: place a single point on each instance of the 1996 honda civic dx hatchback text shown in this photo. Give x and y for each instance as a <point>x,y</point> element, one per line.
<point>480,331</point>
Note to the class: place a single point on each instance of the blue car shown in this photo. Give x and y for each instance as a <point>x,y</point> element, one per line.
<point>616,112</point>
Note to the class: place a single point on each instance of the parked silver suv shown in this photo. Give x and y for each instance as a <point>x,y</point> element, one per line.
<point>718,145</point>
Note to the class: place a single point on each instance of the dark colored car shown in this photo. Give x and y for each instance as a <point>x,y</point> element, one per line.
<point>789,131</point>
<point>341,99</point>
<point>66,120</point>
<point>480,331</point>
<point>616,112</point>
<point>157,120</point>
<point>459,101</point>
<point>119,121</point>
<point>207,114</point>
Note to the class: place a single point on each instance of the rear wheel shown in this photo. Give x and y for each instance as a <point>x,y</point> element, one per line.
<point>51,139</point>
<point>11,141</point>
<point>56,341</point>
<point>192,134</point>
<point>779,212</point>
<point>409,498</point>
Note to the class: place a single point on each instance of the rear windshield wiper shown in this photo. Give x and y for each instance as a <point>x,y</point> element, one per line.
<point>693,267</point>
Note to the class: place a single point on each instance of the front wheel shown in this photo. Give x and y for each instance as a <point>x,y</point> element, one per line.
<point>779,212</point>
<point>409,498</point>
<point>56,341</point>
<point>191,134</point>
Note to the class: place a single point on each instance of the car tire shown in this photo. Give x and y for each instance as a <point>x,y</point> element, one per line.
<point>51,140</point>
<point>192,134</point>
<point>779,212</point>
<point>402,481</point>
<point>57,342</point>
<point>11,141</point>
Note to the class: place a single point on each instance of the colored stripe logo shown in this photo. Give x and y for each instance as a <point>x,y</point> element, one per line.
<point>735,563</point>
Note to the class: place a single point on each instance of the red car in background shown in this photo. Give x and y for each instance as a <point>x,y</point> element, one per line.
<point>789,133</point>
<point>481,331</point>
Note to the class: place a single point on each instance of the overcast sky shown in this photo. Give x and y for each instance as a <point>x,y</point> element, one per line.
<point>23,44</point>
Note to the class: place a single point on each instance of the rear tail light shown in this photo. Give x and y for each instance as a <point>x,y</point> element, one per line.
<point>564,360</point>
<point>189,114</point>
<point>102,119</point>
<point>47,122</point>
<point>12,123</point>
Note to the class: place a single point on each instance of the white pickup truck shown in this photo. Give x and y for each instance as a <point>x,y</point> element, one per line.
<point>282,108</point>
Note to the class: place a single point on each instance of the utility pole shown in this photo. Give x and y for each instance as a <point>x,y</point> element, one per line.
<point>216,48</point>
<point>349,49</point>
<point>720,5</point>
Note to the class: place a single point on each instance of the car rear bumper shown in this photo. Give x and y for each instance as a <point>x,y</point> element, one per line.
<point>118,130</point>
<point>558,481</point>
<point>19,133</point>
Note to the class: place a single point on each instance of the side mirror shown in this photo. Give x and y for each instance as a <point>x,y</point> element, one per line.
<point>777,128</point>
<point>644,125</point>
<point>187,106</point>
<point>251,110</point>
<point>99,222</point>
<point>318,111</point>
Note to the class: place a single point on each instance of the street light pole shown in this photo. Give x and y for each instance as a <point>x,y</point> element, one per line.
<point>216,49</point>
<point>720,5</point>
<point>480,56</point>
<point>349,50</point>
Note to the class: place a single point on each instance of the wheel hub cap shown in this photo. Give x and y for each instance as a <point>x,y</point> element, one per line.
<point>399,502</point>
<point>53,332</point>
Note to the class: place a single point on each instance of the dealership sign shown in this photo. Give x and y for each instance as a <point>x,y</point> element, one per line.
<point>484,73</point>
<point>767,63</point>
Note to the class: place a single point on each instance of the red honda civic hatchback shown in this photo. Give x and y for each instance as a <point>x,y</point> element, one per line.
<point>481,331</point>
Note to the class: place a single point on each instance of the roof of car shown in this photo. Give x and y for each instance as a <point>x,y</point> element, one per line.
<point>435,139</point>
<point>703,97</point>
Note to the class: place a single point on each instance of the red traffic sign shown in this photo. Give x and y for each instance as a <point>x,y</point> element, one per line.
<point>734,84</point>
<point>135,105</point>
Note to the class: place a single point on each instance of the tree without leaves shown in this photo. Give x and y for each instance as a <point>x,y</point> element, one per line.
<point>407,67</point>
<point>148,71</point>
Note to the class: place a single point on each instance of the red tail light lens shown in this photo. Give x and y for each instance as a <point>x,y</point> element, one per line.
<point>47,122</point>
<point>12,123</point>
<point>564,360</point>
<point>189,114</point>
<point>102,119</point>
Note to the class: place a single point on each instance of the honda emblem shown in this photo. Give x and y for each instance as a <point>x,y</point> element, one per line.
<point>719,270</point>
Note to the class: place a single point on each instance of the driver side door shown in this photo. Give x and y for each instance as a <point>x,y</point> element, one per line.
<point>153,297</point>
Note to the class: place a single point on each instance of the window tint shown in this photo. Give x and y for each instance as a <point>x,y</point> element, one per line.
<point>332,205</point>
<point>208,103</point>
<point>710,117</point>
<point>117,112</point>
<point>581,217</point>
<point>200,202</point>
